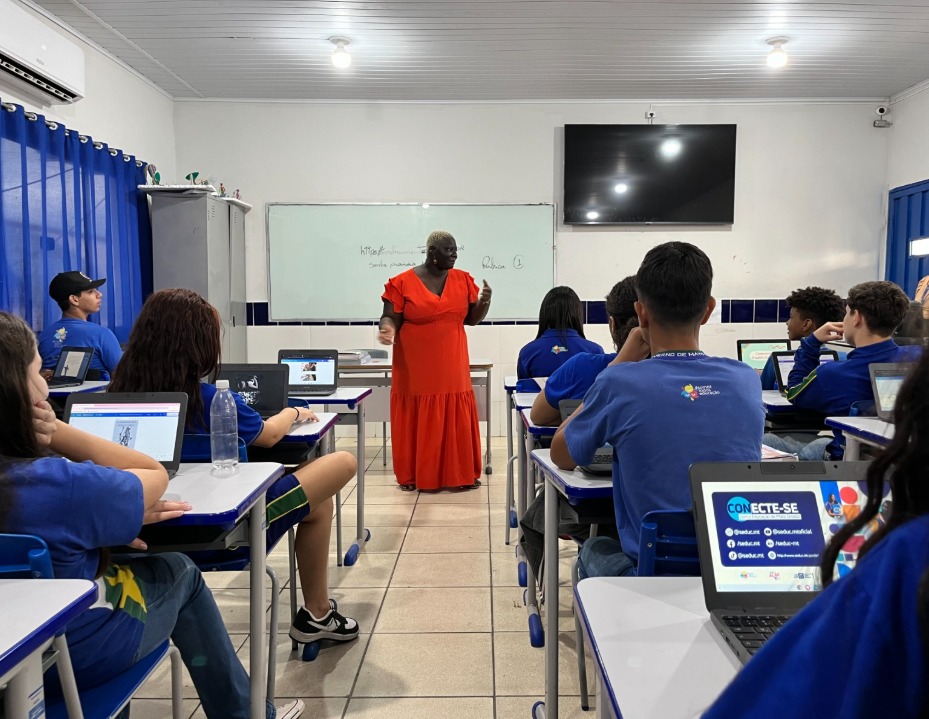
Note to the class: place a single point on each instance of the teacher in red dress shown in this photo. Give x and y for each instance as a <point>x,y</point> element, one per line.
<point>433,413</point>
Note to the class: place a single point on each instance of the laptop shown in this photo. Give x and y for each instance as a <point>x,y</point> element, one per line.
<point>761,529</point>
<point>150,422</point>
<point>602,463</point>
<point>71,370</point>
<point>263,387</point>
<point>886,380</point>
<point>755,353</point>
<point>784,363</point>
<point>310,372</point>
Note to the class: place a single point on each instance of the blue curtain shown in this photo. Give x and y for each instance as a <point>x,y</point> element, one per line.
<point>68,203</point>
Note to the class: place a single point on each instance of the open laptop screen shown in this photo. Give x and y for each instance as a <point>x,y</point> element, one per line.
<point>310,370</point>
<point>888,388</point>
<point>73,362</point>
<point>755,353</point>
<point>785,363</point>
<point>151,427</point>
<point>768,536</point>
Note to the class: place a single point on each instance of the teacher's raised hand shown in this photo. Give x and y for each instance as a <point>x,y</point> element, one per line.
<point>483,297</point>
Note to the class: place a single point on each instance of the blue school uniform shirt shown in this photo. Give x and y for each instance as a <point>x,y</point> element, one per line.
<point>661,415</point>
<point>77,507</point>
<point>542,356</point>
<point>69,332</point>
<point>854,652</point>
<point>249,421</point>
<point>575,377</point>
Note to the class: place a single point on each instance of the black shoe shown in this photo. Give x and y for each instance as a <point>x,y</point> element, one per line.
<point>306,628</point>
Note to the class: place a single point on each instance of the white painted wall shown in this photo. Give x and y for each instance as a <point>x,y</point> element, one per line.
<point>908,149</point>
<point>810,177</point>
<point>120,109</point>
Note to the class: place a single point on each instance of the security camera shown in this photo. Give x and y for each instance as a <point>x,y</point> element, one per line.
<point>882,110</point>
<point>650,114</point>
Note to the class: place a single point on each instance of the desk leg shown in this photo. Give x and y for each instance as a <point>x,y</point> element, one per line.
<point>258,651</point>
<point>522,504</point>
<point>488,455</point>
<point>852,448</point>
<point>551,601</point>
<point>24,695</point>
<point>384,430</point>
<point>536,633</point>
<point>510,512</point>
<point>362,535</point>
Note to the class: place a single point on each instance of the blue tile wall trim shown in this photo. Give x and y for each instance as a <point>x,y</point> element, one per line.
<point>732,310</point>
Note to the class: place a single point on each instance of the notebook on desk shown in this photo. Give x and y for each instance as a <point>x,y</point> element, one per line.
<point>761,529</point>
<point>886,380</point>
<point>149,422</point>
<point>602,463</point>
<point>784,363</point>
<point>263,387</point>
<point>310,372</point>
<point>755,353</point>
<point>71,370</point>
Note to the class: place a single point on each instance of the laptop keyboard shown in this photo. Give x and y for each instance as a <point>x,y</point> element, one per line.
<point>753,631</point>
<point>602,458</point>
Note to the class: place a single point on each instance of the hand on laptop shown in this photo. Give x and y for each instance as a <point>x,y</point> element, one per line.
<point>305,415</point>
<point>830,332</point>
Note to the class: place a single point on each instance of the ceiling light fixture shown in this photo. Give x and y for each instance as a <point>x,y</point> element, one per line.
<point>777,58</point>
<point>340,56</point>
<point>620,188</point>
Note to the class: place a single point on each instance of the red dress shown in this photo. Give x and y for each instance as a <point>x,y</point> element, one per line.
<point>435,437</point>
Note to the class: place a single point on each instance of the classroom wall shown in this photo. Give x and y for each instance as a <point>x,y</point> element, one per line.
<point>908,149</point>
<point>809,175</point>
<point>120,108</point>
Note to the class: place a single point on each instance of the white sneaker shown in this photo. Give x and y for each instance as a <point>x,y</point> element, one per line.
<point>292,710</point>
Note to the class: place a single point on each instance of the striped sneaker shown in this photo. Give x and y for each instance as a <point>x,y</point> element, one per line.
<point>307,628</point>
<point>291,710</point>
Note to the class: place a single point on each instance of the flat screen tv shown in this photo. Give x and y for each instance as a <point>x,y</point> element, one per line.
<point>649,174</point>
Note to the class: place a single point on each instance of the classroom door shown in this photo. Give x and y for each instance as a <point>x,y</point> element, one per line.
<point>907,220</point>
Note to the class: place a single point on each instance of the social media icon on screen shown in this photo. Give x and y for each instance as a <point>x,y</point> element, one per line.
<point>772,555</point>
<point>767,531</point>
<point>732,555</point>
<point>729,532</point>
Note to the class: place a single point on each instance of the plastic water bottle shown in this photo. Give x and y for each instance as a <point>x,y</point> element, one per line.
<point>224,429</point>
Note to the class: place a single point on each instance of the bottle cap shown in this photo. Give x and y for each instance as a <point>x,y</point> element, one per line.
<point>222,384</point>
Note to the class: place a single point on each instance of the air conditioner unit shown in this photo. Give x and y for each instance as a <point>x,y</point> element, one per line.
<point>36,58</point>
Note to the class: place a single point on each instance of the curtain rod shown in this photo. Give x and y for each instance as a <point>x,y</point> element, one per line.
<point>52,125</point>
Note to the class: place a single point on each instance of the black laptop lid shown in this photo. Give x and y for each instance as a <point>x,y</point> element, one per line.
<point>762,527</point>
<point>310,371</point>
<point>263,387</point>
<point>886,380</point>
<point>73,363</point>
<point>150,422</point>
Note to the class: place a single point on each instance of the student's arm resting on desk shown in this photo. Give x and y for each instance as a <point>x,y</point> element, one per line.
<point>811,385</point>
<point>276,427</point>
<point>565,383</point>
<point>580,436</point>
<point>542,413</point>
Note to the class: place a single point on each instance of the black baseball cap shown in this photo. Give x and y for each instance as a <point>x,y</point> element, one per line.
<point>66,284</point>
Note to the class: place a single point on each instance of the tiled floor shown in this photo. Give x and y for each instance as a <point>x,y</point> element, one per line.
<point>444,629</point>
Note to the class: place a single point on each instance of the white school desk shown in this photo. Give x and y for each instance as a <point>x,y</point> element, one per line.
<point>34,610</point>
<point>353,398</point>
<point>862,430</point>
<point>775,402</point>
<point>530,435</point>
<point>94,386</point>
<point>378,373</point>
<point>581,498</point>
<point>654,646</point>
<point>222,501</point>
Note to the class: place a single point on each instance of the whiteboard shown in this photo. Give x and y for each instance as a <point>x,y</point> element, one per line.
<point>330,262</point>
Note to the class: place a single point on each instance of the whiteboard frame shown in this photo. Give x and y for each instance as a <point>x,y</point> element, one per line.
<point>508,320</point>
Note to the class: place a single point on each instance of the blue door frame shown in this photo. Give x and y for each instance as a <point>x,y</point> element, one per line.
<point>907,219</point>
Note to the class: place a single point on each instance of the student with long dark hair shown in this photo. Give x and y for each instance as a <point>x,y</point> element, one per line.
<point>81,494</point>
<point>860,648</point>
<point>175,342</point>
<point>560,335</point>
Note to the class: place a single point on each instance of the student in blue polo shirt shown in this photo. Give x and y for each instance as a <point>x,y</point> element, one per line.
<point>873,311</point>
<point>78,297</point>
<point>663,412</point>
<point>574,377</point>
<point>809,308</point>
<point>859,650</point>
<point>560,336</point>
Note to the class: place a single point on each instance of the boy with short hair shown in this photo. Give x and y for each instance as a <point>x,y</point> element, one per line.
<point>664,412</point>
<point>809,308</point>
<point>873,311</point>
<point>78,297</point>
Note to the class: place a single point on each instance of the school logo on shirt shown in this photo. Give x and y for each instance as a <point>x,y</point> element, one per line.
<point>693,391</point>
<point>557,349</point>
<point>61,334</point>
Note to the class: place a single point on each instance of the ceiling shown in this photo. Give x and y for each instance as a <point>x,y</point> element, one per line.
<point>484,50</point>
